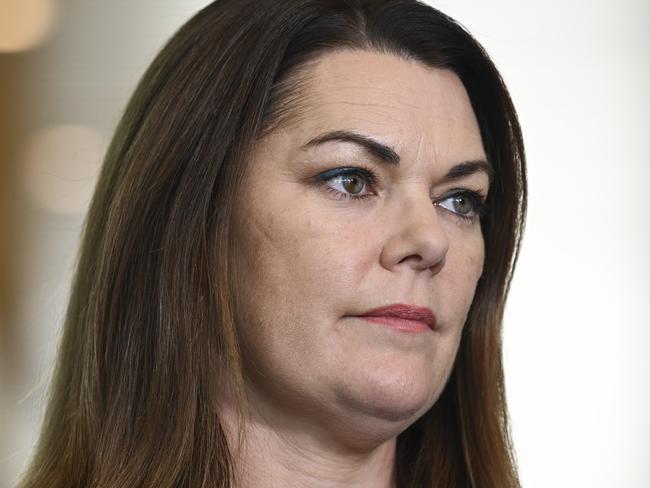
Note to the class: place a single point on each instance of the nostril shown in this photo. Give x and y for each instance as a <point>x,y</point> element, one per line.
<point>412,258</point>
<point>418,262</point>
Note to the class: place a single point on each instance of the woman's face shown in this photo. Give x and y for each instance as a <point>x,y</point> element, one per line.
<point>318,245</point>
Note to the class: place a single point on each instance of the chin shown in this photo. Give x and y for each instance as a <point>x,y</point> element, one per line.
<point>370,421</point>
<point>397,399</point>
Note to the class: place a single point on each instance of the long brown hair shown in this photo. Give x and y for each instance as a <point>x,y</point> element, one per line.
<point>133,398</point>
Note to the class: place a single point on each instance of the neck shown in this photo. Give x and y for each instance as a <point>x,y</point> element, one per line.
<point>276,453</point>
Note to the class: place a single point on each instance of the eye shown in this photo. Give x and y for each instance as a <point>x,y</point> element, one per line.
<point>350,182</point>
<point>467,204</point>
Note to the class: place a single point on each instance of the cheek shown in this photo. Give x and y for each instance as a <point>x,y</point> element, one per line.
<point>294,272</point>
<point>474,259</point>
<point>462,271</point>
<point>289,263</point>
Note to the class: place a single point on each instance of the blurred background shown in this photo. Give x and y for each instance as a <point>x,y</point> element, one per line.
<point>577,329</point>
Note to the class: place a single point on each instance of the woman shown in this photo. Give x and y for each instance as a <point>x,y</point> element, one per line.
<point>294,267</point>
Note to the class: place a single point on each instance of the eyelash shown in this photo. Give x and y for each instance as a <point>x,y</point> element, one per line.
<point>370,177</point>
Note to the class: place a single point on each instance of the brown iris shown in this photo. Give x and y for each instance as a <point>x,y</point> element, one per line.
<point>352,183</point>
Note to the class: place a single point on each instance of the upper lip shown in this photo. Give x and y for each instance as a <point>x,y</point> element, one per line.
<point>404,311</point>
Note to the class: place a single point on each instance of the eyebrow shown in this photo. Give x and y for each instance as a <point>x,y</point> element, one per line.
<point>468,168</point>
<point>388,155</point>
<point>385,153</point>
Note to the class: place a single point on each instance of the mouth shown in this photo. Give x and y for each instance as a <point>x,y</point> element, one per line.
<point>404,317</point>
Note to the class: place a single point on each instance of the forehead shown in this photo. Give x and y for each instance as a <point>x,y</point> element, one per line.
<point>423,112</point>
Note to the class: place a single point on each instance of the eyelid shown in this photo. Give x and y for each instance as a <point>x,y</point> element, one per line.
<point>462,190</point>
<point>365,171</point>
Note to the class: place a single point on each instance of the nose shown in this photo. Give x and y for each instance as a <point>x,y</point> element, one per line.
<point>418,239</point>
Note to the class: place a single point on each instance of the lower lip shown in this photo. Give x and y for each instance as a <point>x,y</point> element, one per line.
<point>403,325</point>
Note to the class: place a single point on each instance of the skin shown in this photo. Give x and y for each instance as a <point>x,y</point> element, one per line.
<point>330,392</point>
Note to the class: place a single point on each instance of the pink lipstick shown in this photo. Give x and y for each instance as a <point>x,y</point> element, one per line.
<point>407,318</point>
